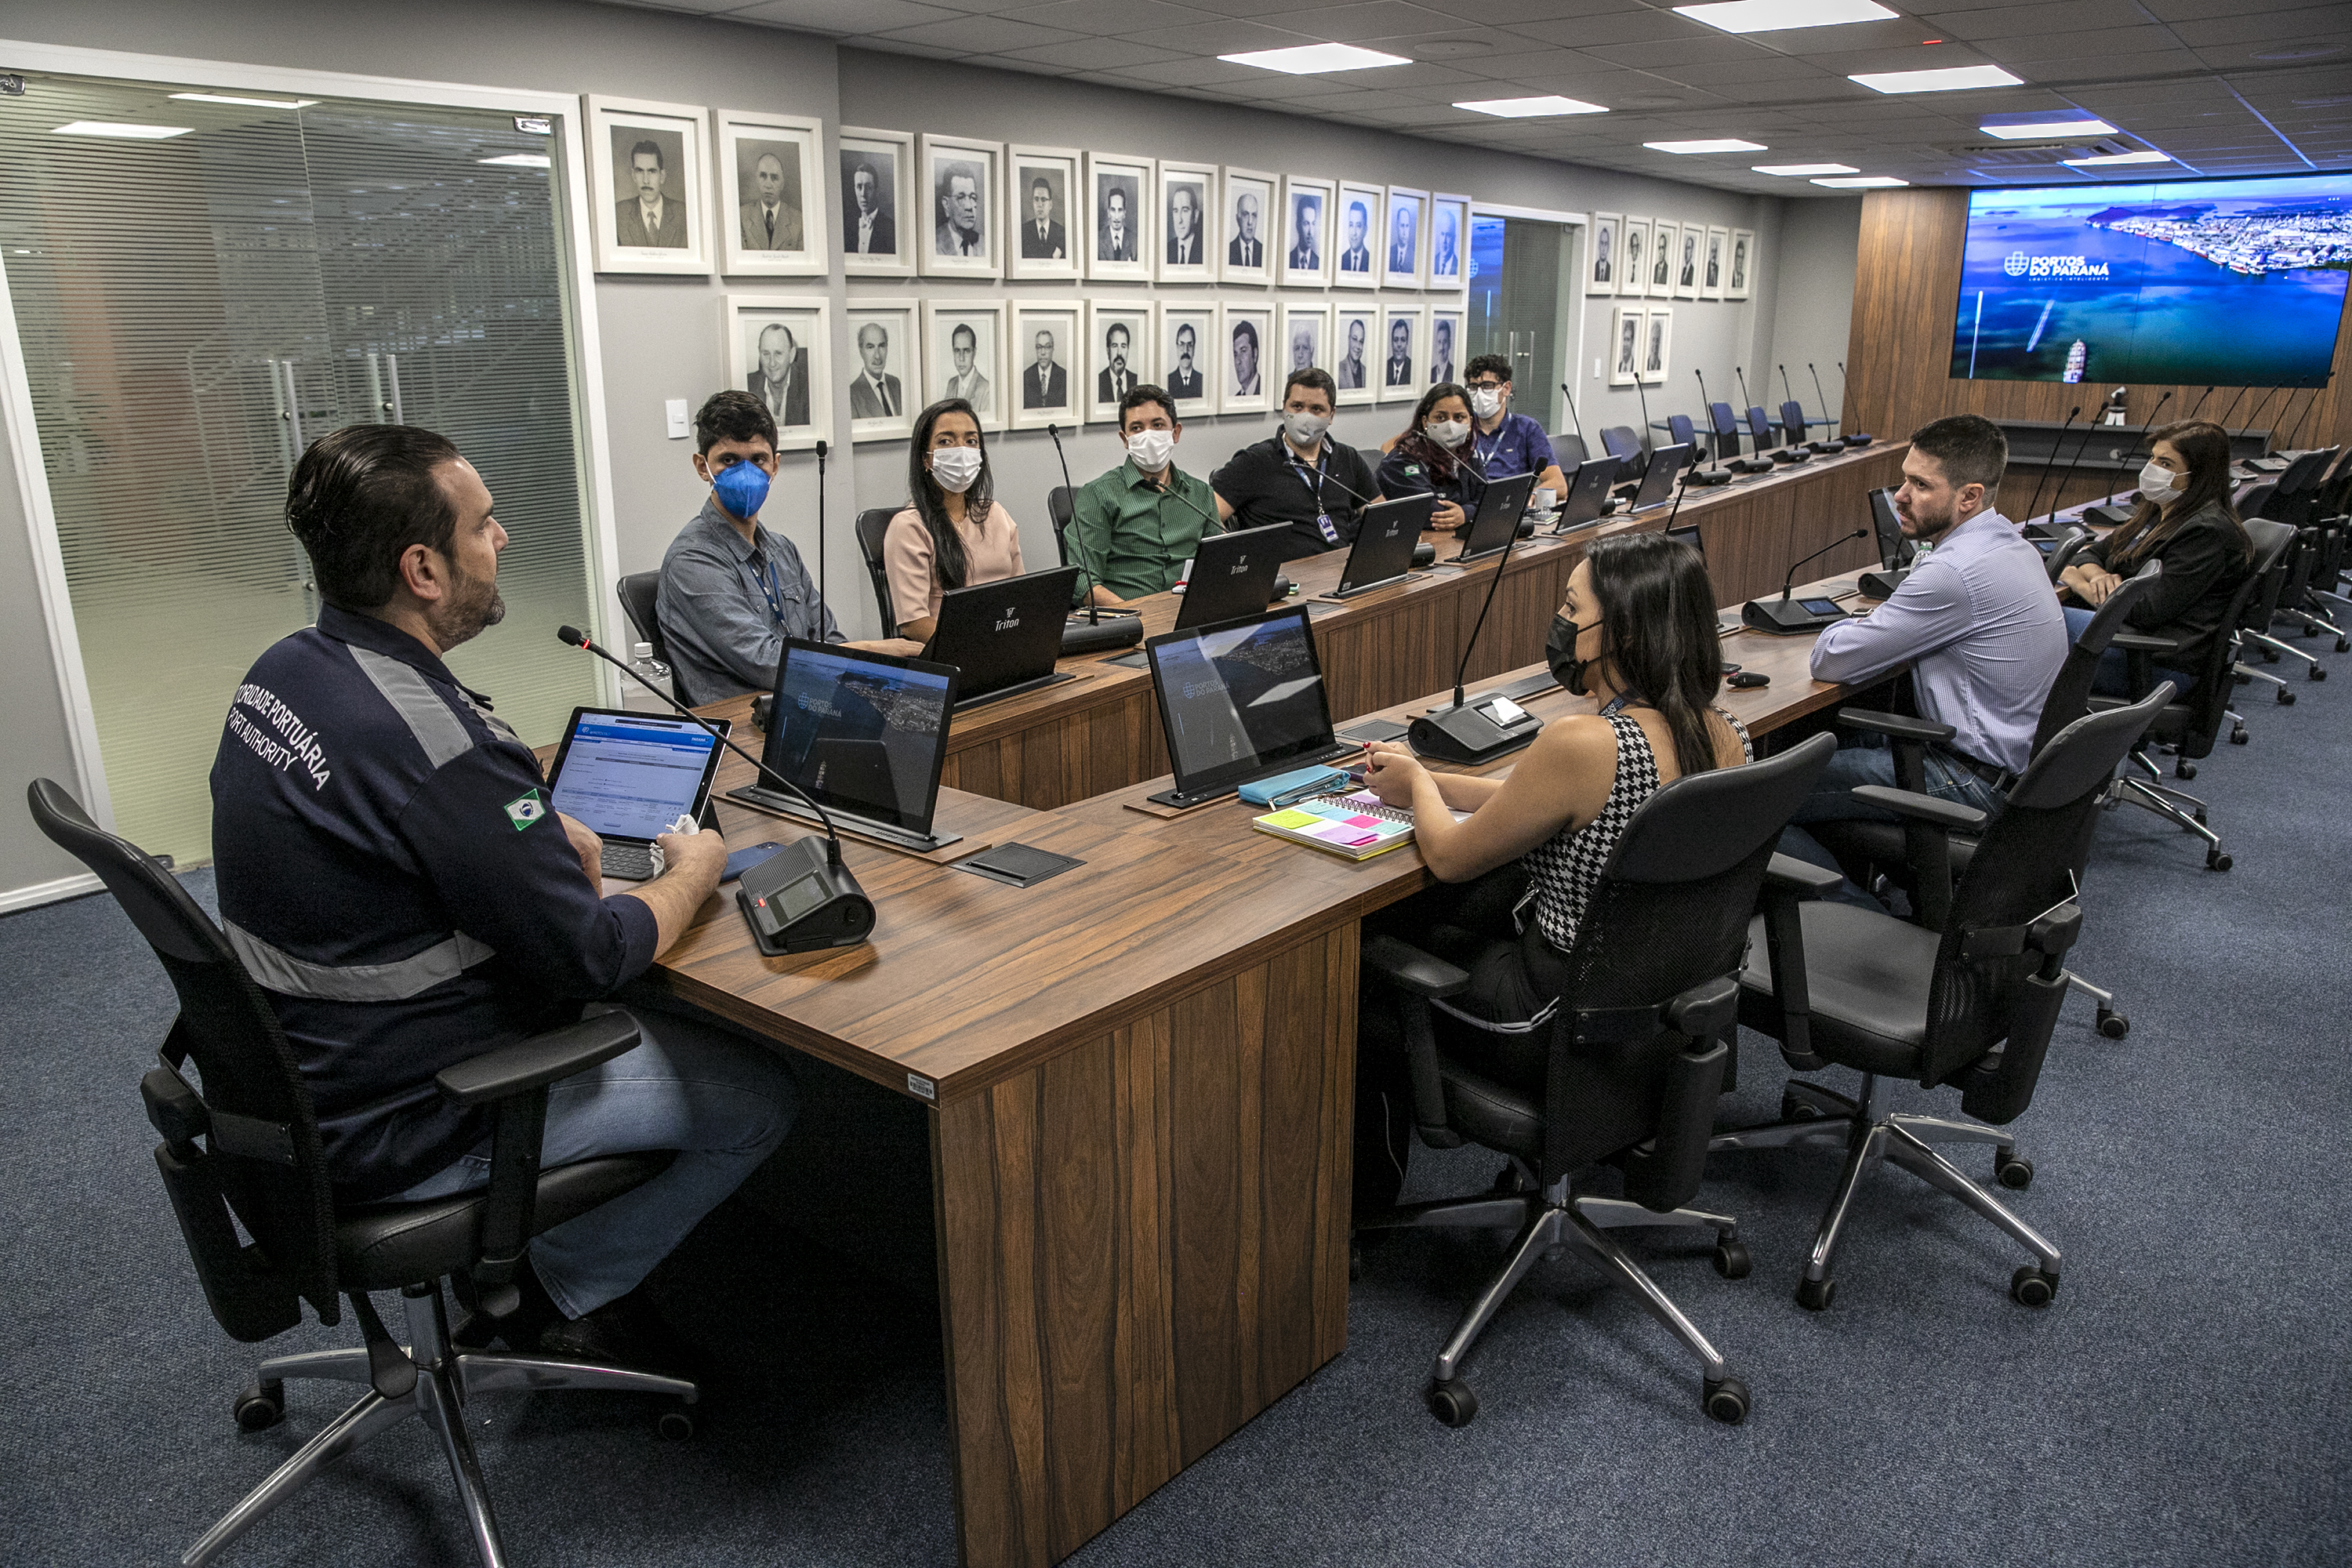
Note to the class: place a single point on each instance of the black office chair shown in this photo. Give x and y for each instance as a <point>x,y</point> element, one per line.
<point>1625,1069</point>
<point>872,524</point>
<point>1622,442</point>
<point>2294,574</point>
<point>1060,509</point>
<point>2067,548</point>
<point>640,597</point>
<point>1969,1006</point>
<point>1567,450</point>
<point>2275,547</point>
<point>243,1150</point>
<point>1679,432</point>
<point>1726,430</point>
<point>1792,423</point>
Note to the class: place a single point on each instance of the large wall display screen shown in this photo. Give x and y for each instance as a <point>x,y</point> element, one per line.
<point>2236,282</point>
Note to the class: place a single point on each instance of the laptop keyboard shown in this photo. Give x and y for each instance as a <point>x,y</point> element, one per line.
<point>629,862</point>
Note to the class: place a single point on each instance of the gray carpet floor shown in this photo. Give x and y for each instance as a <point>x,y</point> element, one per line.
<point>2178,1404</point>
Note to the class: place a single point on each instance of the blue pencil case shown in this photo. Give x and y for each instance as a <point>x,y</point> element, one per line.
<point>1284,789</point>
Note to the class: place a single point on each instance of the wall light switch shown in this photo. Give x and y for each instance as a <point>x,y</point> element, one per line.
<point>674,411</point>
<point>1596,367</point>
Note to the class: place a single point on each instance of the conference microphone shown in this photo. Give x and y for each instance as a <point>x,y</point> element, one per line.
<point>2113,513</point>
<point>820,524</point>
<point>2081,447</point>
<point>1573,417</point>
<point>2197,404</point>
<point>1735,464</point>
<point>2225,421</point>
<point>2072,414</point>
<point>801,898</point>
<point>1860,437</point>
<point>1463,733</point>
<point>1824,447</point>
<point>2309,404</point>
<point>1124,628</point>
<point>1786,615</point>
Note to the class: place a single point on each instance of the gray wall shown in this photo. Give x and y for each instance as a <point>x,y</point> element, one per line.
<point>660,336</point>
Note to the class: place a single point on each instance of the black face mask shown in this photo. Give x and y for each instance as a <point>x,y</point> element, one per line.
<point>1560,653</point>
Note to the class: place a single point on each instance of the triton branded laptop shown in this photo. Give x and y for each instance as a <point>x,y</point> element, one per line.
<point>1241,700</point>
<point>1231,574</point>
<point>628,776</point>
<point>866,734</point>
<point>1588,493</point>
<point>1500,505</point>
<point>1004,637</point>
<point>1383,548</point>
<point>1658,479</point>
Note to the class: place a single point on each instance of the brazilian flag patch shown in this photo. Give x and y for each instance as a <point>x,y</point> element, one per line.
<point>525,809</point>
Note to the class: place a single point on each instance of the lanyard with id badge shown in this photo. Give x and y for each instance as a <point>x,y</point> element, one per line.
<point>1314,484</point>
<point>771,589</point>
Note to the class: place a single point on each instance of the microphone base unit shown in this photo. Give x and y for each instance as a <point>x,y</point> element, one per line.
<point>1469,734</point>
<point>1712,476</point>
<point>2113,516</point>
<point>1116,629</point>
<point>1790,616</point>
<point>1824,448</point>
<point>1860,438</point>
<point>796,900</point>
<point>1882,585</point>
<point>1793,455</point>
<point>1750,465</point>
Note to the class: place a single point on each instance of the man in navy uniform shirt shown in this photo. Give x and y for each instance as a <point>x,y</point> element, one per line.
<point>393,877</point>
<point>1503,443</point>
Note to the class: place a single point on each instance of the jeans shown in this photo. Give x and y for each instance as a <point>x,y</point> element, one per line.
<point>2112,677</point>
<point>1870,762</point>
<point>721,1101</point>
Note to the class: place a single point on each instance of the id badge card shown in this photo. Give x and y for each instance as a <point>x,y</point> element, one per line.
<point>1330,533</point>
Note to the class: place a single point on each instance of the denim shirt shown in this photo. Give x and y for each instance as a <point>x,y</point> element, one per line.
<point>723,635</point>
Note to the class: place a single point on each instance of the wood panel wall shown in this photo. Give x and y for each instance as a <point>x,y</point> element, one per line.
<point>1906,295</point>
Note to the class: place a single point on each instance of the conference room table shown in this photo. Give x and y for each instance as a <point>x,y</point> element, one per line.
<point>1137,1082</point>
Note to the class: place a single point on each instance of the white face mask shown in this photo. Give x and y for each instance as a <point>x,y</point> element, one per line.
<point>956,468</point>
<point>2158,484</point>
<point>1448,432</point>
<point>1305,429</point>
<point>1486,402</point>
<point>1151,450</point>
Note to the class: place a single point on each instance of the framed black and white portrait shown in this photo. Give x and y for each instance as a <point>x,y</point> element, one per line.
<point>1119,222</point>
<point>1249,215</point>
<point>1355,236</point>
<point>874,169</point>
<point>1119,354</point>
<point>1605,246</point>
<point>1306,336</point>
<point>1633,259</point>
<point>1245,334</point>
<point>1188,358</point>
<point>648,174</point>
<point>1690,257</point>
<point>1306,233</point>
<point>1714,263</point>
<point>772,207</point>
<point>1445,356</point>
<point>960,235</point>
<point>780,350</point>
<point>963,350</point>
<point>1355,351</point>
<point>1449,244</point>
<point>1046,364</point>
<point>1625,343</point>
<point>1657,345</point>
<point>1187,223</point>
<point>1404,238</point>
<point>1742,277</point>
<point>1665,252</point>
<point>1045,222</point>
<point>1404,347</point>
<point>885,383</point>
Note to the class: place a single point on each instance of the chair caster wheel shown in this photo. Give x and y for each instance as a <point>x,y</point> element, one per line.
<point>2216,861</point>
<point>1731,1258</point>
<point>2198,815</point>
<point>1451,1402</point>
<point>2285,698</point>
<point>2013,1172</point>
<point>2029,1287</point>
<point>676,1424</point>
<point>2318,673</point>
<point>2184,769</point>
<point>2239,737</point>
<point>1815,1294</point>
<point>1509,1183</point>
<point>2114,1025</point>
<point>2343,645</point>
<point>261,1404</point>
<point>1726,1400</point>
<point>1795,1110</point>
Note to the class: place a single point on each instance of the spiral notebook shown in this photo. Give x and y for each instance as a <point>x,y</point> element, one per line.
<point>1354,826</point>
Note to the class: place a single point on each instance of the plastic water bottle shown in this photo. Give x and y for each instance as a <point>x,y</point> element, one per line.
<point>655,672</point>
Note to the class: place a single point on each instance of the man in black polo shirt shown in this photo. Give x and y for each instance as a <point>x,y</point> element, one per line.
<point>396,881</point>
<point>1301,481</point>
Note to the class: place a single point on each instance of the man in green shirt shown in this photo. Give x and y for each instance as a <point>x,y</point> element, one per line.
<point>1137,524</point>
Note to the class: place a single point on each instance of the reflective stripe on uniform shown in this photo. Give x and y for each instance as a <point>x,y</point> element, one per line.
<point>441,733</point>
<point>274,969</point>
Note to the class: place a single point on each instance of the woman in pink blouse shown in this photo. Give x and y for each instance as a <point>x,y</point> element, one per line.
<point>953,535</point>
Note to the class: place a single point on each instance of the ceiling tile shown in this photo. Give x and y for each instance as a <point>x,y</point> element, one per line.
<point>1665,56</point>
<point>1374,19</point>
<point>843,17</point>
<point>2266,26</point>
<point>1097,55</point>
<point>2011,20</point>
<point>2095,47</point>
<point>979,35</point>
<point>1183,73</point>
<point>1220,35</point>
<point>1093,16</point>
<point>1631,26</point>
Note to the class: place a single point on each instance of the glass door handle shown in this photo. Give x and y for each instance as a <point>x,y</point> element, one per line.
<point>291,408</point>
<point>392,378</point>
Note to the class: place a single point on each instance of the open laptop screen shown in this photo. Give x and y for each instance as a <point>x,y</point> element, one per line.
<point>1240,697</point>
<point>866,733</point>
<point>630,776</point>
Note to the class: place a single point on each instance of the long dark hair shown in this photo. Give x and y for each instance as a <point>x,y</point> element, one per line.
<point>1657,628</point>
<point>1441,460</point>
<point>930,501</point>
<point>2207,447</point>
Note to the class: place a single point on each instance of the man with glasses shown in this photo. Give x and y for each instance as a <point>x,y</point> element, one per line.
<point>1502,442</point>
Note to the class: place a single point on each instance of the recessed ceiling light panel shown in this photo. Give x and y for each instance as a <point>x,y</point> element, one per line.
<point>2043,130</point>
<point>1718,144</point>
<point>1805,169</point>
<point>1863,183</point>
<point>1314,60</point>
<point>128,133</point>
<point>1955,79</point>
<point>1778,16</point>
<point>2107,160</point>
<point>1531,107</point>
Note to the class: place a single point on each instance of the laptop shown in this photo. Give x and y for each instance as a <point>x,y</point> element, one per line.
<point>629,776</point>
<point>1231,574</point>
<point>1383,549</point>
<point>1658,479</point>
<point>1894,550</point>
<point>1241,700</point>
<point>1588,493</point>
<point>1500,506</point>
<point>1004,637</point>
<point>866,734</point>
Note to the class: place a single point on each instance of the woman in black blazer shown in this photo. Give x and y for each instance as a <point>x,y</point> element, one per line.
<point>2185,519</point>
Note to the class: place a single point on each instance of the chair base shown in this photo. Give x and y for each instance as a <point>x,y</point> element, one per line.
<point>2177,806</point>
<point>1556,1219</point>
<point>1872,1133</point>
<point>445,1378</point>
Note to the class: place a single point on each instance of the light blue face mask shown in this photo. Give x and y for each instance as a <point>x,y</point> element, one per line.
<point>743,488</point>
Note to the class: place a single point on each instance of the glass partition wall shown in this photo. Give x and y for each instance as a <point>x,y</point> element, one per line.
<point>201,286</point>
<point>1522,289</point>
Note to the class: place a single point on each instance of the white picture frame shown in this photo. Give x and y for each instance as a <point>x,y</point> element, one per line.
<point>1604,254</point>
<point>981,380</point>
<point>1634,257</point>
<point>1306,232</point>
<point>1359,382</point>
<point>1715,261</point>
<point>1250,258</point>
<point>1107,381</point>
<point>1625,351</point>
<point>679,135</point>
<point>1054,253</point>
<point>1059,399</point>
<point>1407,245</point>
<point>1356,255</point>
<point>1657,345</point>
<point>1196,183</point>
<point>1446,325</point>
<point>780,349</point>
<point>873,171</point>
<point>1666,245</point>
<point>1194,391</point>
<point>772,206</point>
<point>882,405</point>
<point>1120,202</point>
<point>961,235</point>
<point>1741,280</point>
<point>1689,258</point>
<point>1306,329</point>
<point>1403,385</point>
<point>1449,244</point>
<point>1252,320</point>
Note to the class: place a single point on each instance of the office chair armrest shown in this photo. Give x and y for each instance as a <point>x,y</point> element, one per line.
<point>2144,642</point>
<point>538,1061</point>
<point>1421,978</point>
<point>1895,726</point>
<point>1802,877</point>
<point>1948,814</point>
<point>1786,880</point>
<point>1412,971</point>
<point>1663,1171</point>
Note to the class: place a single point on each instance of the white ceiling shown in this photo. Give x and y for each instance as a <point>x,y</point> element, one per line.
<point>2226,86</point>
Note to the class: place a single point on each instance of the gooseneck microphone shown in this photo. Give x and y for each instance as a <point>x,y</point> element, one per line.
<point>2081,447</point>
<point>2224,420</point>
<point>820,520</point>
<point>1124,628</point>
<point>1572,415</point>
<point>1786,615</point>
<point>2072,414</point>
<point>2110,512</point>
<point>2308,404</point>
<point>2199,404</point>
<point>1860,437</point>
<point>1464,735</point>
<point>1093,582</point>
<point>799,899</point>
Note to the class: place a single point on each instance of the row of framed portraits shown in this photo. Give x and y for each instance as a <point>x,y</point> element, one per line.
<point>772,202</point>
<point>1634,258</point>
<point>1641,344</point>
<point>1027,364</point>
